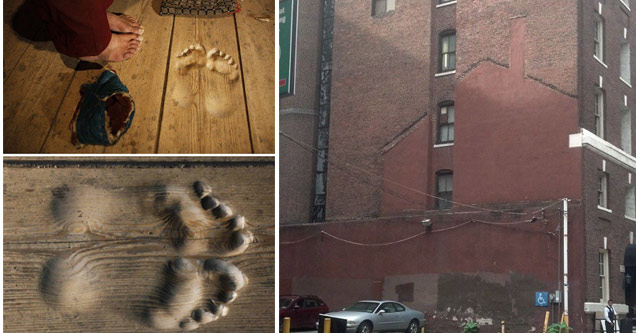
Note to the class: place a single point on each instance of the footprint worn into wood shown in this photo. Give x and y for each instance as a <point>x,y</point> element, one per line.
<point>215,60</point>
<point>188,92</point>
<point>195,285</point>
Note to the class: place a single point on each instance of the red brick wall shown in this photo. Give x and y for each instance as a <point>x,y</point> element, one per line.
<point>380,86</point>
<point>483,31</point>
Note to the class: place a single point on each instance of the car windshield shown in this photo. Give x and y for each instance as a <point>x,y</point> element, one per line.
<point>363,307</point>
<point>284,302</point>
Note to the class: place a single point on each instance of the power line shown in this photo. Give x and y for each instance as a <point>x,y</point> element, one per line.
<point>315,151</point>
<point>322,232</point>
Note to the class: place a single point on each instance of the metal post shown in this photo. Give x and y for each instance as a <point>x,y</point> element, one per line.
<point>286,324</point>
<point>565,257</point>
<point>327,325</point>
<point>503,326</point>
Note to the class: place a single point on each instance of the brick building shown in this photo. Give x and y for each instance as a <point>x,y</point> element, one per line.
<point>477,117</point>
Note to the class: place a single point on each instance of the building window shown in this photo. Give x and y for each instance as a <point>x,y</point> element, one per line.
<point>630,202</point>
<point>599,113</point>
<point>381,7</point>
<point>598,37</point>
<point>446,123</point>
<point>444,191</point>
<point>602,190</point>
<point>626,131</point>
<point>625,63</point>
<point>603,264</point>
<point>447,52</point>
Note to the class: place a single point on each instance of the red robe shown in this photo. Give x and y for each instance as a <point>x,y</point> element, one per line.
<point>78,28</point>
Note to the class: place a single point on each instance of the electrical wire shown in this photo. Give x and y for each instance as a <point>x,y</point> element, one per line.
<point>322,232</point>
<point>331,162</point>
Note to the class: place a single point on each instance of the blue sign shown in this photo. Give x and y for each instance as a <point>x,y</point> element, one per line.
<point>541,298</point>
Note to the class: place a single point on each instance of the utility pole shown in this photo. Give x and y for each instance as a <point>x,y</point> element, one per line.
<point>565,257</point>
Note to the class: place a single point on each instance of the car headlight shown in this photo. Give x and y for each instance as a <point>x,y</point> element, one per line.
<point>351,323</point>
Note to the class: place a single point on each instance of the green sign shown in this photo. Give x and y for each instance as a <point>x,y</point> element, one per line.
<point>287,46</point>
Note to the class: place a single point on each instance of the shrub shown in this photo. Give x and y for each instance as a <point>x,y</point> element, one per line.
<point>471,327</point>
<point>559,328</point>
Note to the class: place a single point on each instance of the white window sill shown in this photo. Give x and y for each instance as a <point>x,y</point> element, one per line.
<point>627,83</point>
<point>445,73</point>
<point>630,218</point>
<point>604,209</point>
<point>626,6</point>
<point>452,3</point>
<point>442,145</point>
<point>600,61</point>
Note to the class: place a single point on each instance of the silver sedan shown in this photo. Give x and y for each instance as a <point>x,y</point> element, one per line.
<point>378,316</point>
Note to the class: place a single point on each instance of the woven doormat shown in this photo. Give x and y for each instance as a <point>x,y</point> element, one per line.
<point>199,7</point>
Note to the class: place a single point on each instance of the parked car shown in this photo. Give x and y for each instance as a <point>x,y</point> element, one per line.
<point>302,310</point>
<point>379,316</point>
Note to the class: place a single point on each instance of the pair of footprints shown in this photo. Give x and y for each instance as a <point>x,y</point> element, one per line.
<point>215,60</point>
<point>216,102</point>
<point>194,288</point>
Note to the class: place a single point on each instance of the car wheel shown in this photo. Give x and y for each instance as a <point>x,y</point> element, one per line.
<point>413,327</point>
<point>365,328</point>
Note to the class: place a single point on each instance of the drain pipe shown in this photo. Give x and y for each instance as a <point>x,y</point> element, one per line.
<point>320,192</point>
<point>565,257</point>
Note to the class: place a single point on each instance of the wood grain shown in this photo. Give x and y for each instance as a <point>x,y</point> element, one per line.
<point>190,127</point>
<point>32,95</point>
<point>144,75</point>
<point>255,26</point>
<point>128,254</point>
<point>14,45</point>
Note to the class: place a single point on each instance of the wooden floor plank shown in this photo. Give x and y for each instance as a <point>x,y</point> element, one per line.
<point>32,96</point>
<point>59,140</point>
<point>191,127</point>
<point>14,45</point>
<point>144,75</point>
<point>125,254</point>
<point>256,24</point>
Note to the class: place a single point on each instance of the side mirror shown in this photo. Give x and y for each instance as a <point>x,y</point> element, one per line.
<point>381,312</point>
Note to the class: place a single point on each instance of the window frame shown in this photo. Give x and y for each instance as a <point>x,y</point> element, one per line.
<point>603,260</point>
<point>389,7</point>
<point>599,38</point>
<point>599,112</point>
<point>630,198</point>
<point>603,191</point>
<point>441,54</point>
<point>448,124</point>
<point>625,61</point>
<point>443,200</point>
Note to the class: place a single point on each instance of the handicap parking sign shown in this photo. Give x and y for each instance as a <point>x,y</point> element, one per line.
<point>541,298</point>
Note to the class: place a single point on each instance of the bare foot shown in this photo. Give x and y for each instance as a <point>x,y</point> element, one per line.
<point>121,47</point>
<point>124,23</point>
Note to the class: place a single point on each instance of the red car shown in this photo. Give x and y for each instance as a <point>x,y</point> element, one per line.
<point>303,310</point>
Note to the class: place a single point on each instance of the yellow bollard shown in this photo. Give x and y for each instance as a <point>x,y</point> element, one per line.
<point>503,326</point>
<point>423,330</point>
<point>286,324</point>
<point>547,320</point>
<point>327,325</point>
